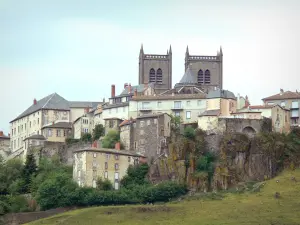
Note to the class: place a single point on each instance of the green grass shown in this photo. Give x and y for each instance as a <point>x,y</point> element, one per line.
<point>260,208</point>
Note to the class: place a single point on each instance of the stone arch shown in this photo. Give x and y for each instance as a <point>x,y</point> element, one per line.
<point>250,131</point>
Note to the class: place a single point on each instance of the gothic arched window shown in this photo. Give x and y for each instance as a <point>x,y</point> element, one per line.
<point>200,77</point>
<point>159,76</point>
<point>207,77</point>
<point>152,76</point>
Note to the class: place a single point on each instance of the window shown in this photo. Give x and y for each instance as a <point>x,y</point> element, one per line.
<point>135,145</point>
<point>141,132</point>
<point>152,76</point>
<point>148,122</point>
<point>38,121</point>
<point>145,105</point>
<point>159,76</point>
<point>116,166</point>
<point>58,134</point>
<point>30,124</point>
<point>188,103</point>
<point>106,165</point>
<point>95,155</point>
<point>155,121</point>
<point>207,77</point>
<point>116,157</point>
<point>129,158</point>
<point>65,133</point>
<point>177,105</point>
<point>286,118</point>
<point>282,104</point>
<point>158,104</point>
<point>105,174</point>
<point>295,113</point>
<point>94,183</point>
<point>200,77</point>
<point>111,124</point>
<point>49,132</point>
<point>295,104</point>
<point>142,123</point>
<point>25,126</point>
<point>107,156</point>
<point>177,114</point>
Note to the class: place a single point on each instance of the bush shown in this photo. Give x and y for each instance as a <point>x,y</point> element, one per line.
<point>86,137</point>
<point>4,207</point>
<point>189,133</point>
<point>136,175</point>
<point>111,138</point>
<point>104,185</point>
<point>18,203</point>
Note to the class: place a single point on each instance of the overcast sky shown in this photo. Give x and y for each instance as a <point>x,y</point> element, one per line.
<point>79,48</point>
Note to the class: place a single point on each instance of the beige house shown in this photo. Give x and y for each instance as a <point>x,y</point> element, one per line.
<point>44,112</point>
<point>57,132</point>
<point>112,124</point>
<point>94,163</point>
<point>83,124</point>
<point>4,145</point>
<point>289,100</point>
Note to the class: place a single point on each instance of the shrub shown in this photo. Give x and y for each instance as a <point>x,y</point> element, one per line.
<point>136,175</point>
<point>104,185</point>
<point>4,207</point>
<point>189,133</point>
<point>86,137</point>
<point>111,138</point>
<point>18,203</point>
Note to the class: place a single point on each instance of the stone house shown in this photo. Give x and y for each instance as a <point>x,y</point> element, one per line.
<point>4,145</point>
<point>127,133</point>
<point>289,100</point>
<point>112,124</point>
<point>151,135</point>
<point>57,132</point>
<point>36,140</point>
<point>83,124</point>
<point>93,163</point>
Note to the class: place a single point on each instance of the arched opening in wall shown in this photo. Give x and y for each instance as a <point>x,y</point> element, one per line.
<point>200,78</point>
<point>152,76</point>
<point>249,131</point>
<point>207,77</point>
<point>159,76</point>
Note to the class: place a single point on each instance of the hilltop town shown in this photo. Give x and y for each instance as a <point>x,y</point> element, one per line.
<point>155,123</point>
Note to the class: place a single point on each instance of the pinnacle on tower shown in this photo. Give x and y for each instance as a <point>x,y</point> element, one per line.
<point>221,52</point>
<point>142,49</point>
<point>170,51</point>
<point>167,52</point>
<point>187,50</point>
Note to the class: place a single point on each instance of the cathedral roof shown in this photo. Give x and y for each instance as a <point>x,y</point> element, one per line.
<point>188,77</point>
<point>221,94</point>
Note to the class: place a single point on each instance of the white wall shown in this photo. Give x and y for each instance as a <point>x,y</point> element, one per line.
<point>194,106</point>
<point>119,112</point>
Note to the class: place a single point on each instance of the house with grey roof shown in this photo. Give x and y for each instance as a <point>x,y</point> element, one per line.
<point>49,111</point>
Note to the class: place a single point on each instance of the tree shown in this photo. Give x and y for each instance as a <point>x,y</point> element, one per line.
<point>111,139</point>
<point>104,185</point>
<point>98,132</point>
<point>136,175</point>
<point>28,171</point>
<point>86,137</point>
<point>9,172</point>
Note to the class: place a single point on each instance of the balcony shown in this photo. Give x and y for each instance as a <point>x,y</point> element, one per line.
<point>177,108</point>
<point>143,109</point>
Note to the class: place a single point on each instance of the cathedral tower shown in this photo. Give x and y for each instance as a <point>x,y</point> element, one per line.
<point>207,70</point>
<point>156,69</point>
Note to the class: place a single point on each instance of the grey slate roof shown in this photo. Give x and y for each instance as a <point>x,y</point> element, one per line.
<point>211,113</point>
<point>60,125</point>
<point>140,88</point>
<point>221,94</point>
<point>188,77</point>
<point>53,101</point>
<point>56,102</point>
<point>81,104</point>
<point>36,137</point>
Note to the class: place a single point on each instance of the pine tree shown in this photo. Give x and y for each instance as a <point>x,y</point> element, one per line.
<point>29,170</point>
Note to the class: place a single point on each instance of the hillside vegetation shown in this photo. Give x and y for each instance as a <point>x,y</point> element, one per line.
<point>276,203</point>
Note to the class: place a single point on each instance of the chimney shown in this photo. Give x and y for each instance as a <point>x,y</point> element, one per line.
<point>281,91</point>
<point>8,134</point>
<point>103,100</point>
<point>113,90</point>
<point>129,88</point>
<point>118,146</point>
<point>135,92</point>
<point>1,134</point>
<point>34,101</point>
<point>125,85</point>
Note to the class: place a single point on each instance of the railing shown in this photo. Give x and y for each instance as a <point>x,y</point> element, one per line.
<point>156,57</point>
<point>145,109</point>
<point>204,57</point>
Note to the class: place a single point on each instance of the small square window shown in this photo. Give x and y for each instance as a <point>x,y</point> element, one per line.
<point>95,155</point>
<point>106,165</point>
<point>116,166</point>
<point>105,174</point>
<point>188,114</point>
<point>116,157</point>
<point>129,159</point>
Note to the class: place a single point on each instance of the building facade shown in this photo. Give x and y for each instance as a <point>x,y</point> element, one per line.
<point>91,164</point>
<point>156,69</point>
<point>206,70</point>
<point>57,132</point>
<point>127,133</point>
<point>289,100</point>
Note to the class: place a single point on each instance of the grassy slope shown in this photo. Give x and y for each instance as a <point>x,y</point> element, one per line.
<point>253,208</point>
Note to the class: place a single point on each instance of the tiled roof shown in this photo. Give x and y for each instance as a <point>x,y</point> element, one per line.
<point>60,125</point>
<point>36,137</point>
<point>170,97</point>
<point>260,106</point>
<point>53,101</point>
<point>215,112</point>
<point>188,77</point>
<point>113,118</point>
<point>284,95</point>
<point>221,94</point>
<point>127,122</point>
<point>112,151</point>
<point>116,105</point>
<point>4,137</point>
<point>140,88</point>
<point>83,104</point>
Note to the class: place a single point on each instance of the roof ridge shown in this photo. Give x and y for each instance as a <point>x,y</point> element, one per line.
<point>48,101</point>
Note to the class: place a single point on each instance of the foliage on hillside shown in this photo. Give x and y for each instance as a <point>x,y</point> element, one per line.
<point>110,139</point>
<point>262,207</point>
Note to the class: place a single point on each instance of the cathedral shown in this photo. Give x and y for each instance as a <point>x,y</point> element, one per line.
<point>202,73</point>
